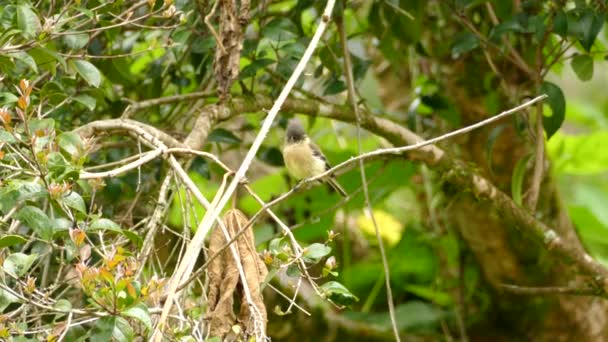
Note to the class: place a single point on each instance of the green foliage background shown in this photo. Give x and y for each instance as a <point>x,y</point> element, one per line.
<point>90,60</point>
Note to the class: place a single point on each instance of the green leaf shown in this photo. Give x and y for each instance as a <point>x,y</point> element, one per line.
<point>560,23</point>
<point>87,101</point>
<point>60,169</point>
<point>88,71</point>
<point>18,264</point>
<point>53,91</point>
<point>221,135</point>
<point>280,29</point>
<point>133,237</point>
<point>585,25</point>
<point>70,142</point>
<point>102,331</point>
<point>46,57</point>
<point>579,154</point>
<point>76,41</point>
<point>122,330</point>
<point>334,86</point>
<point>63,305</point>
<point>201,46</point>
<point>141,313</point>
<point>104,224</point>
<point>11,240</point>
<point>337,293</point>
<point>6,299</point>
<point>25,59</point>
<point>47,125</point>
<point>61,224</point>
<point>6,137</point>
<point>27,21</point>
<point>517,180</point>
<point>18,191</point>
<point>583,67</point>
<point>251,69</point>
<point>293,271</point>
<point>6,98</point>
<point>30,191</point>
<point>512,25</point>
<point>37,220</point>
<point>75,201</point>
<point>271,156</point>
<point>557,102</point>
<point>315,252</point>
<point>463,43</point>
<point>536,25</point>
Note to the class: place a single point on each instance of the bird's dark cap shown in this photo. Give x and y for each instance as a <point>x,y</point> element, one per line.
<point>295,131</point>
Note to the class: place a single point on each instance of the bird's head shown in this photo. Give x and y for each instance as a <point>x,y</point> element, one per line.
<point>295,132</point>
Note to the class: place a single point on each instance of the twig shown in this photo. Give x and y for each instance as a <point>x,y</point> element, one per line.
<point>423,143</point>
<point>218,40</point>
<point>154,222</point>
<point>67,327</point>
<point>145,157</point>
<point>184,269</point>
<point>513,56</point>
<point>163,100</point>
<point>353,102</point>
<point>292,301</point>
<point>525,290</point>
<point>186,262</point>
<point>539,154</point>
<point>399,9</point>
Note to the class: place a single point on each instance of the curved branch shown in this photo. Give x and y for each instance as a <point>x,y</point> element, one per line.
<point>453,170</point>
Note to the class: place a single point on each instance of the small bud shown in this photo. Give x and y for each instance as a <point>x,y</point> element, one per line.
<point>331,235</point>
<point>5,117</point>
<point>30,286</point>
<point>331,263</point>
<point>267,257</point>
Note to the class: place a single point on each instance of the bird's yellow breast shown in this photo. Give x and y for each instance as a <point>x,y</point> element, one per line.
<point>300,161</point>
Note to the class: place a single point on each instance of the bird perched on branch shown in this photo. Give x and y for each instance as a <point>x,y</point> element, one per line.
<point>303,158</point>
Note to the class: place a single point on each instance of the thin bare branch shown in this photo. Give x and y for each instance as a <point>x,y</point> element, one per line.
<point>352,97</point>
<point>184,269</point>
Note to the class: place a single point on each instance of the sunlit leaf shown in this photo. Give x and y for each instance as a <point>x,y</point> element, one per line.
<point>87,71</point>
<point>579,154</point>
<point>88,101</point>
<point>315,252</point>
<point>76,41</point>
<point>140,312</point>
<point>70,142</point>
<point>11,240</point>
<point>75,201</point>
<point>27,21</point>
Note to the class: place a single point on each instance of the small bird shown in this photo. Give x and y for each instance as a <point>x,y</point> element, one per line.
<point>303,158</point>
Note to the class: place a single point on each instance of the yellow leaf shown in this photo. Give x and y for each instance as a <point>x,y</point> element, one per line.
<point>390,228</point>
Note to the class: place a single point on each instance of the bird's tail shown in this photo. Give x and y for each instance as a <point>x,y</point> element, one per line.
<point>333,183</point>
